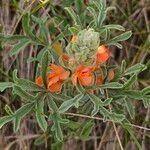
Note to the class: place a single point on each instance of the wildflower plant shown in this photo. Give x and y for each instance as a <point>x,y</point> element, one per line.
<point>79,78</point>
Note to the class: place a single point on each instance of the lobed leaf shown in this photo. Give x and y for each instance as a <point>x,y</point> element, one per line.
<point>20,113</point>
<point>5,85</point>
<point>19,46</point>
<point>69,103</point>
<point>114,26</point>
<point>135,69</point>
<point>86,130</point>
<point>26,84</point>
<point>111,85</point>
<point>130,81</point>
<point>40,117</point>
<point>44,63</point>
<point>5,119</point>
<point>23,94</point>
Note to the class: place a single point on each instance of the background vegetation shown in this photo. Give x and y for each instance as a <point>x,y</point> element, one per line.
<point>131,14</point>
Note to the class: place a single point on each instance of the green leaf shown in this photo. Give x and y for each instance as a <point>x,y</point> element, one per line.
<point>40,140</point>
<point>78,6</point>
<point>129,107</point>
<point>111,85</point>
<point>101,5</point>
<point>57,145</point>
<point>146,90</point>
<point>121,37</point>
<point>8,110</point>
<point>23,94</point>
<point>20,113</point>
<point>132,94</point>
<point>112,116</point>
<point>116,117</point>
<point>114,26</point>
<point>43,30</point>
<point>51,104</point>
<point>44,63</point>
<point>73,125</point>
<point>5,85</point>
<point>27,27</point>
<point>73,15</point>
<point>98,101</point>
<point>135,69</point>
<point>146,101</point>
<point>10,38</point>
<point>40,116</point>
<point>19,46</point>
<point>129,82</point>
<point>59,96</point>
<point>26,84</point>
<point>86,130</point>
<point>73,30</point>
<point>69,103</point>
<point>56,127</point>
<point>115,44</point>
<point>5,119</point>
<point>130,130</point>
<point>93,13</point>
<point>123,66</point>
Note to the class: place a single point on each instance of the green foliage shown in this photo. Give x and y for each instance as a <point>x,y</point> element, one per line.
<point>23,94</point>
<point>26,84</point>
<point>44,64</point>
<point>21,113</point>
<point>111,85</point>
<point>59,112</point>
<point>86,130</point>
<point>5,85</point>
<point>5,119</point>
<point>69,103</point>
<point>19,46</point>
<point>40,116</point>
<point>136,69</point>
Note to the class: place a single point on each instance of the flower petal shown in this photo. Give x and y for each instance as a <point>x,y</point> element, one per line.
<point>64,75</point>
<point>86,80</point>
<point>39,81</point>
<point>56,87</point>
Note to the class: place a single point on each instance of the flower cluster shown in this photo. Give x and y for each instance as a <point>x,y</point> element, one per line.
<point>81,73</point>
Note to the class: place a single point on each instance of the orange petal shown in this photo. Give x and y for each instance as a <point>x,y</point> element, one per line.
<point>86,80</point>
<point>39,81</point>
<point>51,75</point>
<point>56,68</point>
<point>102,54</point>
<point>64,75</point>
<point>99,80</point>
<point>53,80</point>
<point>56,87</point>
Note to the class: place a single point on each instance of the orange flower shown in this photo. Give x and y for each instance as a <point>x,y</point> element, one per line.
<point>84,74</point>
<point>99,80</point>
<point>102,54</point>
<point>74,39</point>
<point>56,77</point>
<point>39,81</point>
